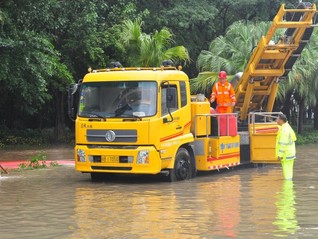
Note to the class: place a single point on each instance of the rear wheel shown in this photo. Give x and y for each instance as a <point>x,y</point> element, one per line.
<point>183,166</point>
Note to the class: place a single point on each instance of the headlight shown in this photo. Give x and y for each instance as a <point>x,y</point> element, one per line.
<point>143,157</point>
<point>81,155</point>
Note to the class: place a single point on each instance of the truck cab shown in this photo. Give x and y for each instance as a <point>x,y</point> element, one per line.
<point>134,120</point>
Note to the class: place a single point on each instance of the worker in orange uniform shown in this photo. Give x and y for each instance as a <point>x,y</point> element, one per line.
<point>224,94</point>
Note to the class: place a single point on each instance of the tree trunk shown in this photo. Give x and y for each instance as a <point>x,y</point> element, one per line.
<point>287,105</point>
<point>301,113</point>
<point>59,131</point>
<point>309,113</point>
<point>316,117</point>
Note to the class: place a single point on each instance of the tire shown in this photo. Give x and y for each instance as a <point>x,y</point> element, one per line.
<point>183,166</point>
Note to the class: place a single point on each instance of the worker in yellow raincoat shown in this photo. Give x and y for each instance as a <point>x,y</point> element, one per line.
<point>285,146</point>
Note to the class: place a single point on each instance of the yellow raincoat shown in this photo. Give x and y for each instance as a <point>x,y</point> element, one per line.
<point>286,149</point>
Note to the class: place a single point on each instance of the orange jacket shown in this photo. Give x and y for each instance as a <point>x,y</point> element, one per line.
<point>224,93</point>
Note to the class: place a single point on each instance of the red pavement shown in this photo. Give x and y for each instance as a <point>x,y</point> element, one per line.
<point>11,159</point>
<point>16,164</point>
<point>7,165</point>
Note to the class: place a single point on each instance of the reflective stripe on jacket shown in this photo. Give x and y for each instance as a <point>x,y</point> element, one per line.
<point>285,142</point>
<point>224,93</point>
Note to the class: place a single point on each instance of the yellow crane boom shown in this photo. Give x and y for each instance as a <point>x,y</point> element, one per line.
<point>272,60</point>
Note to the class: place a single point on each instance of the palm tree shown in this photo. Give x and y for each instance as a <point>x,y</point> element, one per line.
<point>301,87</point>
<point>149,49</point>
<point>230,53</point>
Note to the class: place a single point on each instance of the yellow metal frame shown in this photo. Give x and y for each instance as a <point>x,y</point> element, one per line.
<point>201,122</point>
<point>219,152</point>
<point>214,152</point>
<point>263,137</point>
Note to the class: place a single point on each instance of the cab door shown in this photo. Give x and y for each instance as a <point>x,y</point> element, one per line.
<point>171,122</point>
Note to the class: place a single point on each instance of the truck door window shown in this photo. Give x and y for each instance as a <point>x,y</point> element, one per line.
<point>164,92</point>
<point>183,91</point>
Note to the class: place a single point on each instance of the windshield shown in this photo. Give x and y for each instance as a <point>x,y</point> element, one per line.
<point>118,99</point>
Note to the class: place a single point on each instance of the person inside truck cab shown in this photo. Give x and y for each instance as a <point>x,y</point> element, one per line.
<point>223,93</point>
<point>141,100</point>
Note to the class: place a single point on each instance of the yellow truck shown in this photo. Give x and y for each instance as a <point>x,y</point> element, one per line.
<point>141,120</point>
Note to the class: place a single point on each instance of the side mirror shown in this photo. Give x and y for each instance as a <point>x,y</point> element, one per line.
<point>172,98</point>
<point>71,95</point>
<point>74,88</point>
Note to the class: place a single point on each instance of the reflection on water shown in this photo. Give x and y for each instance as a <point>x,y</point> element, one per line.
<point>286,212</point>
<point>240,203</point>
<point>161,210</point>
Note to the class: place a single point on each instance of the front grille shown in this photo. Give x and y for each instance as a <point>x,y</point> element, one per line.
<point>126,136</point>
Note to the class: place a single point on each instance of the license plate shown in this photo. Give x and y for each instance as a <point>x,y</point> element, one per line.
<point>110,159</point>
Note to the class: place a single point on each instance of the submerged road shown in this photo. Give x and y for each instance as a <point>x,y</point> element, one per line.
<point>254,202</point>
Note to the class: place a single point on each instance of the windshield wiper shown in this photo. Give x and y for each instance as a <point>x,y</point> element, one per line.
<point>94,115</point>
<point>131,117</point>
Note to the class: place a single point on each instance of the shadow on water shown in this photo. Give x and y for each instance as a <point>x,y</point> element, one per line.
<point>163,178</point>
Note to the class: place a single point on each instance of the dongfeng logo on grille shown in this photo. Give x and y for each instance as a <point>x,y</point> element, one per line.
<point>110,136</point>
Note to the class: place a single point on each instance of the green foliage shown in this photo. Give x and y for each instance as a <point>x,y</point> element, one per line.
<point>300,91</point>
<point>230,11</point>
<point>232,51</point>
<point>149,50</point>
<point>38,161</point>
<point>303,80</point>
<point>195,23</point>
<point>54,164</point>
<point>45,45</point>
<point>27,64</point>
<point>30,137</point>
<point>192,23</point>
<point>310,136</point>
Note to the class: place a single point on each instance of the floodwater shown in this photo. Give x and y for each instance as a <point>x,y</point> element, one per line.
<point>253,202</point>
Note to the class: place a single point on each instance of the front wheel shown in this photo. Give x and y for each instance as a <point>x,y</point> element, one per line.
<point>183,166</point>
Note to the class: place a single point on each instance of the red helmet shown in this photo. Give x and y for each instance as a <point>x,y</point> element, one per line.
<point>222,75</point>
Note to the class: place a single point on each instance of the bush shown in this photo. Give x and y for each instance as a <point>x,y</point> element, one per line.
<point>310,136</point>
<point>31,137</point>
<point>37,161</point>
